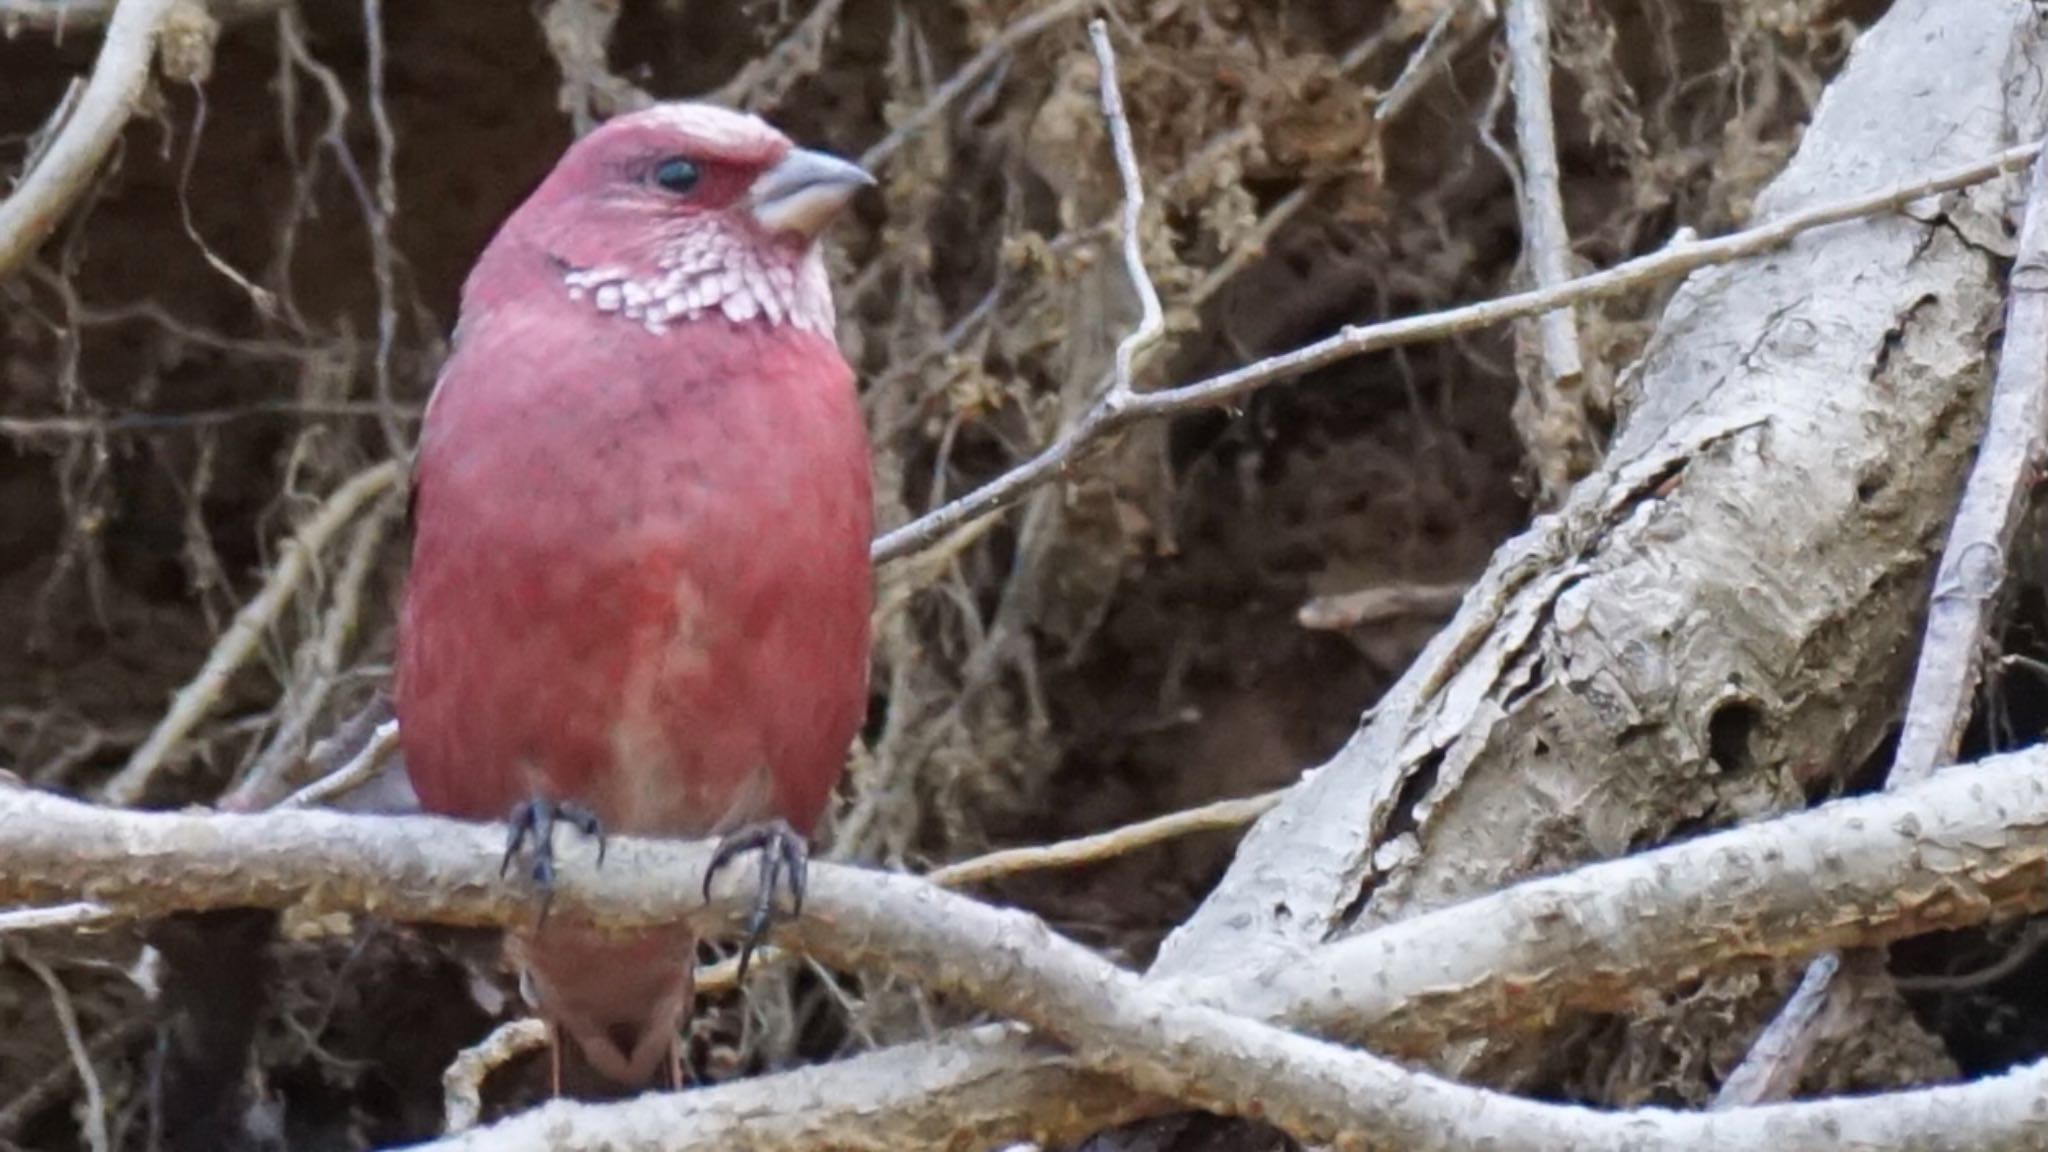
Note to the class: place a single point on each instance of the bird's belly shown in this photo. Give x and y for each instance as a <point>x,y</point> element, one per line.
<point>673,688</point>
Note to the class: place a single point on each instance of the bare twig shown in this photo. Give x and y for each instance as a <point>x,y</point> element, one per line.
<point>1151,319</point>
<point>763,81</point>
<point>45,194</point>
<point>2008,465</point>
<point>262,298</point>
<point>383,256</point>
<point>80,914</point>
<point>1959,613</point>
<point>1555,431</point>
<point>43,1092</point>
<point>1949,851</point>
<point>1380,602</point>
<point>1435,51</point>
<point>462,1085</point>
<point>240,640</point>
<point>2023,950</point>
<point>352,775</point>
<point>321,662</point>
<point>1219,816</point>
<point>330,755</point>
<point>95,1119</point>
<point>1773,1065</point>
<point>32,428</point>
<point>1354,340</point>
<point>970,73</point>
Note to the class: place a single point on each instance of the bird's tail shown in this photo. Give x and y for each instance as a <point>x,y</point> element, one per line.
<point>620,999</point>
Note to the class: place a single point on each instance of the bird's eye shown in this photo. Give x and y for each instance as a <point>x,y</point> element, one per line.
<point>676,175</point>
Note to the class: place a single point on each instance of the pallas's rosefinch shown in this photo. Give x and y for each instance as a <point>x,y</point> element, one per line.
<point>640,585</point>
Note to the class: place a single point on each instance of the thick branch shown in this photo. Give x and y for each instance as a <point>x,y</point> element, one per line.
<point>1745,565</point>
<point>1152,1034</point>
<point>1951,851</point>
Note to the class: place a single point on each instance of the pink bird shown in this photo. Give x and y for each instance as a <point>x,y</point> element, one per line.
<point>640,583</point>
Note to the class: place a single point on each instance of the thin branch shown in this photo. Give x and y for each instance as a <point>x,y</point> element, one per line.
<point>462,1086</point>
<point>996,1088</point>
<point>969,74</point>
<point>1152,319</point>
<point>239,642</point>
<point>82,914</point>
<point>43,197</point>
<point>383,257</point>
<point>352,775</point>
<point>43,1092</point>
<point>2023,950</point>
<point>1951,851</point>
<point>1973,563</point>
<point>333,755</point>
<point>1555,434</point>
<point>795,56</point>
<point>1959,613</point>
<point>95,1118</point>
<point>321,660</point>
<point>1434,52</point>
<point>1380,602</point>
<point>1675,260</point>
<point>1772,1067</point>
<point>29,428</point>
<point>1546,242</point>
<point>1221,816</point>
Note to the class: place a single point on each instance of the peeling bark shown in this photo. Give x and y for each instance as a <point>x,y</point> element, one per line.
<point>1720,622</point>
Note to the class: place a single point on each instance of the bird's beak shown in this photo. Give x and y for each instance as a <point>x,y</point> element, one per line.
<point>805,191</point>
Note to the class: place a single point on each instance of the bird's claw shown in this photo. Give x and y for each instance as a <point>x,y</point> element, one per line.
<point>535,820</point>
<point>784,859</point>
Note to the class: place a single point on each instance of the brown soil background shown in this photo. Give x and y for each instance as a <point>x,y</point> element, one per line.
<point>1135,650</point>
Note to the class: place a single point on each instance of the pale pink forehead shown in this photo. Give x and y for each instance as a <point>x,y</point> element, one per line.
<point>719,129</point>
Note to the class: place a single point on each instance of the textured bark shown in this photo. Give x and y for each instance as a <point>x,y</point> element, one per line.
<point>1722,619</point>
<point>1949,852</point>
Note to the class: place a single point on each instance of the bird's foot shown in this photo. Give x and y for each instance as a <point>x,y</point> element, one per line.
<point>535,820</point>
<point>784,857</point>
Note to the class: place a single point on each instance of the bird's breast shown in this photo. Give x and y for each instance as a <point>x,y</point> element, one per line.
<point>648,592</point>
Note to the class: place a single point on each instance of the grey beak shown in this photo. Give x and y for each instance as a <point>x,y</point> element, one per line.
<point>804,191</point>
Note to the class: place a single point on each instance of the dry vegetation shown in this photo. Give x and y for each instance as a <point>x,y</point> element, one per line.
<point>242,316</point>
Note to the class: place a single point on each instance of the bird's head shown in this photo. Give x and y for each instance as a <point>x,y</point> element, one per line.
<point>685,210</point>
